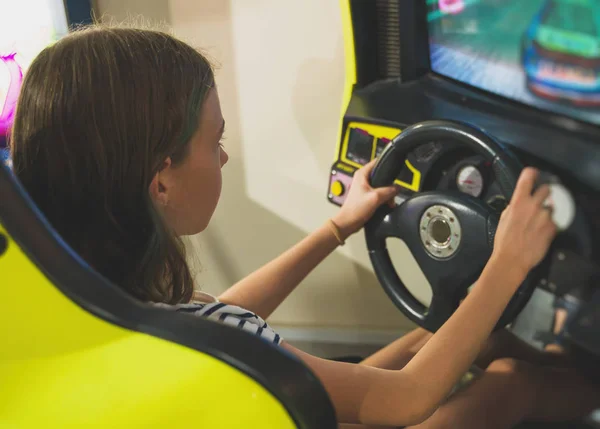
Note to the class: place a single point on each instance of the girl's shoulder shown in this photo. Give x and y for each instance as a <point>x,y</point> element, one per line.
<point>230,315</point>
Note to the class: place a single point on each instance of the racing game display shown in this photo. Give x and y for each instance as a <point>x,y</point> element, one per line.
<point>544,53</point>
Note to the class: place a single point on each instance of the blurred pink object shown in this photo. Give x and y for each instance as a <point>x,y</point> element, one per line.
<point>451,6</point>
<point>10,103</point>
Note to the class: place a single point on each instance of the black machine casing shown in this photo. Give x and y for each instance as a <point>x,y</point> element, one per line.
<point>392,86</point>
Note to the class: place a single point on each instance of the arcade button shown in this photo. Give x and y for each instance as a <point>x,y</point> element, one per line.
<point>563,206</point>
<point>560,201</point>
<point>337,188</point>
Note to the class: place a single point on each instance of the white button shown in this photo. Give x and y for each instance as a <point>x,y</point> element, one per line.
<point>563,206</point>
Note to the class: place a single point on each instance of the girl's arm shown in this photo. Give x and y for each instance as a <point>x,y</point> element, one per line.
<point>368,395</point>
<point>501,344</point>
<point>262,291</point>
<point>363,394</point>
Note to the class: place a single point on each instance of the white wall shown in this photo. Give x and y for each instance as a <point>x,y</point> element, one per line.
<point>280,81</point>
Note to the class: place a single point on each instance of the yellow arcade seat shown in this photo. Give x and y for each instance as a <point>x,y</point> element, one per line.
<point>77,352</point>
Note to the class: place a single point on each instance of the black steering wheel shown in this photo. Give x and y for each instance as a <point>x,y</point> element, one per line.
<point>450,234</point>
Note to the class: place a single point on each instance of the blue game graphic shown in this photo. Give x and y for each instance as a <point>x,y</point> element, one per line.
<point>544,53</point>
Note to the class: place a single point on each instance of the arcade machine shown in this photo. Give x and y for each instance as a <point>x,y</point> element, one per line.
<point>454,97</point>
<point>22,40</point>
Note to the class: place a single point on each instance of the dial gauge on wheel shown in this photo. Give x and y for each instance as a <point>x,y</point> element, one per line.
<point>470,180</point>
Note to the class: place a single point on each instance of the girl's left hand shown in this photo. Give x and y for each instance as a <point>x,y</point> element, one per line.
<point>362,201</point>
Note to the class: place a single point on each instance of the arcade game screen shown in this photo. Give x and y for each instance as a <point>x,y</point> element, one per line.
<point>26,27</point>
<point>544,53</point>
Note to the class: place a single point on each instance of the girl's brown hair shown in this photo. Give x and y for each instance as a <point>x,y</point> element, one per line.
<point>98,114</point>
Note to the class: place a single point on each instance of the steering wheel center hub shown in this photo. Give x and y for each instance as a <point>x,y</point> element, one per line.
<point>440,232</point>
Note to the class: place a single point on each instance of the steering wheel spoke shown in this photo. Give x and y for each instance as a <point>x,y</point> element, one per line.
<point>385,223</point>
<point>440,309</point>
<point>449,284</point>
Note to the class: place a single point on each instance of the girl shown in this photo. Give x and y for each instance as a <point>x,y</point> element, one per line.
<point>117,138</point>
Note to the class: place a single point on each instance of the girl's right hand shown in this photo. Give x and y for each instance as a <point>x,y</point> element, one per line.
<point>526,229</point>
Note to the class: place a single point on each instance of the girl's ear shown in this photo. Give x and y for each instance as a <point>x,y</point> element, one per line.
<point>161,184</point>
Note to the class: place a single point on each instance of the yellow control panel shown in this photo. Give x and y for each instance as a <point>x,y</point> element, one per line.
<point>360,143</point>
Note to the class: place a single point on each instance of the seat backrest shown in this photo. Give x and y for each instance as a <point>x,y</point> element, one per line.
<point>76,351</point>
